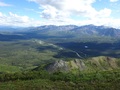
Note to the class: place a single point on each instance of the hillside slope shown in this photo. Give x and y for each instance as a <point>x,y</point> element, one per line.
<point>100,63</point>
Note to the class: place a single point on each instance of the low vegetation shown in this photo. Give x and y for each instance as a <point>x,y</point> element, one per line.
<point>23,62</point>
<point>42,80</point>
<point>25,54</point>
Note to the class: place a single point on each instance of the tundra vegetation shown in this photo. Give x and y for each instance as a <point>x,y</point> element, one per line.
<point>56,58</point>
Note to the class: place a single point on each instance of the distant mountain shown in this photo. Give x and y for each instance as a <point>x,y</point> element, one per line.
<point>97,30</point>
<point>11,37</point>
<point>72,30</point>
<point>56,28</point>
<point>65,33</point>
<point>13,29</point>
<point>66,30</point>
<point>6,29</point>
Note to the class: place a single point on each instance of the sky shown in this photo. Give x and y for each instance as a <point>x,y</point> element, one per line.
<point>27,13</point>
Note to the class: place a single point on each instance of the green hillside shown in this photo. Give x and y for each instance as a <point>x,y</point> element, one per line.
<point>38,65</point>
<point>101,63</point>
<point>104,80</point>
<point>26,54</point>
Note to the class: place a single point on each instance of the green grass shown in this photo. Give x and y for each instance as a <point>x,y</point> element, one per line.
<point>104,80</point>
<point>9,69</point>
<point>25,54</point>
<point>40,84</point>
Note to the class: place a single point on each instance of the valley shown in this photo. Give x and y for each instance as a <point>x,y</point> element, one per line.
<point>78,56</point>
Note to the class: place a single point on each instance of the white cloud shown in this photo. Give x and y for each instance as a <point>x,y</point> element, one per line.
<point>64,9</point>
<point>53,9</point>
<point>60,12</point>
<point>113,0</point>
<point>25,21</point>
<point>104,13</point>
<point>4,4</point>
<point>17,20</point>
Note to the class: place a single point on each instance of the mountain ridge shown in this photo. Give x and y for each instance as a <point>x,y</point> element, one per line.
<point>66,30</point>
<point>101,63</point>
<point>73,30</point>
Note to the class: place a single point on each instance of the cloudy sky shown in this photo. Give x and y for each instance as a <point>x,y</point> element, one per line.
<point>59,12</point>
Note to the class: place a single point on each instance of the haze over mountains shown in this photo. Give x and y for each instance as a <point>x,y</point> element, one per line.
<point>79,30</point>
<point>88,40</point>
<point>66,33</point>
<point>87,29</point>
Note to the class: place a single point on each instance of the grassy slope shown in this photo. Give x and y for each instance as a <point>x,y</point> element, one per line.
<point>102,63</point>
<point>9,69</point>
<point>107,80</point>
<point>19,55</point>
<point>28,54</point>
<point>57,85</point>
<point>24,54</point>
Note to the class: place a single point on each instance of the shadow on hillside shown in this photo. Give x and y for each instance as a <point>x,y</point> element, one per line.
<point>66,54</point>
<point>43,48</point>
<point>94,49</point>
<point>11,37</point>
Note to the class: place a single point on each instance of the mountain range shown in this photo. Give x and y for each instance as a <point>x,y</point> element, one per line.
<point>67,31</point>
<point>88,40</point>
<point>78,30</point>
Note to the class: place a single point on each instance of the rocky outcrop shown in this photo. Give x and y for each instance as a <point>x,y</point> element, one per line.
<point>58,66</point>
<point>65,66</point>
<point>77,64</point>
<point>92,64</point>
